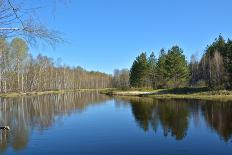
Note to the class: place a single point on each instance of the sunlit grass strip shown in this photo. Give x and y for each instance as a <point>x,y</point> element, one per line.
<point>192,96</point>
<point>178,93</point>
<point>35,93</point>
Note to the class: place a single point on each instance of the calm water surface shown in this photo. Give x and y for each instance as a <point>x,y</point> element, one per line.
<point>90,123</point>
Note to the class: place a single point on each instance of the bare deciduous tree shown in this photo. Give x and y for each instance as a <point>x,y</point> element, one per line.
<point>16,20</point>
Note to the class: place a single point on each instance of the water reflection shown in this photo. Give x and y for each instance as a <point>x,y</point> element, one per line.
<point>219,117</point>
<point>26,113</point>
<point>174,116</point>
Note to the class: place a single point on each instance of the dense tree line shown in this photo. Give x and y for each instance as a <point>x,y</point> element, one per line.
<point>20,72</point>
<point>171,69</point>
<point>215,66</point>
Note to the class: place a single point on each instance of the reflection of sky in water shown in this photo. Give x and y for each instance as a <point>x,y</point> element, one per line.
<point>89,123</point>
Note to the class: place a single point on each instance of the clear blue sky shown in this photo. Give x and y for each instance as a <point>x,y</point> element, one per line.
<point>109,34</point>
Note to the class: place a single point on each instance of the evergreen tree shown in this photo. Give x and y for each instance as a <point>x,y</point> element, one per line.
<point>134,79</point>
<point>229,63</point>
<point>172,70</point>
<point>139,72</point>
<point>161,69</point>
<point>176,67</point>
<point>152,62</point>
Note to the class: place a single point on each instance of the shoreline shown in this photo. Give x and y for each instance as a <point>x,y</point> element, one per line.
<point>38,93</point>
<point>179,93</point>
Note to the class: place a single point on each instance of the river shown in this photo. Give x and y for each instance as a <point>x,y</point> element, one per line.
<point>90,123</point>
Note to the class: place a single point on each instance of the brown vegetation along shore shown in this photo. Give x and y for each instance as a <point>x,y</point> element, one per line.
<point>178,93</point>
<point>36,93</point>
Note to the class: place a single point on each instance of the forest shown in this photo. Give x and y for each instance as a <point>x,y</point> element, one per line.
<point>172,69</point>
<point>21,72</point>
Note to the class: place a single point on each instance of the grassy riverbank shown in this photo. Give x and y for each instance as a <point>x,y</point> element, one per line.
<point>177,93</point>
<point>36,93</point>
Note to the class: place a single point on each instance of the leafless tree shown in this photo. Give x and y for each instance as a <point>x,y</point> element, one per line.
<point>121,78</point>
<point>17,20</point>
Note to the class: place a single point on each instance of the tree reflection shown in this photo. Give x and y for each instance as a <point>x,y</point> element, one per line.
<point>142,113</point>
<point>40,112</point>
<point>173,116</point>
<point>219,117</point>
<point>4,140</point>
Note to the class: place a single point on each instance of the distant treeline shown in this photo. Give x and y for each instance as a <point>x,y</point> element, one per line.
<point>20,72</point>
<point>172,70</point>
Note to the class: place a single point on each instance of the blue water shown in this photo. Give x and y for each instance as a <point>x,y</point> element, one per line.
<point>90,123</point>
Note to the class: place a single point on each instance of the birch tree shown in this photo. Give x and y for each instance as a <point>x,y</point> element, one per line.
<point>16,19</point>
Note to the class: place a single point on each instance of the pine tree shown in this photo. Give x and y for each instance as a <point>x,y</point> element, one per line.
<point>134,79</point>
<point>139,72</point>
<point>152,63</point>
<point>176,67</point>
<point>161,71</point>
<point>228,65</point>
